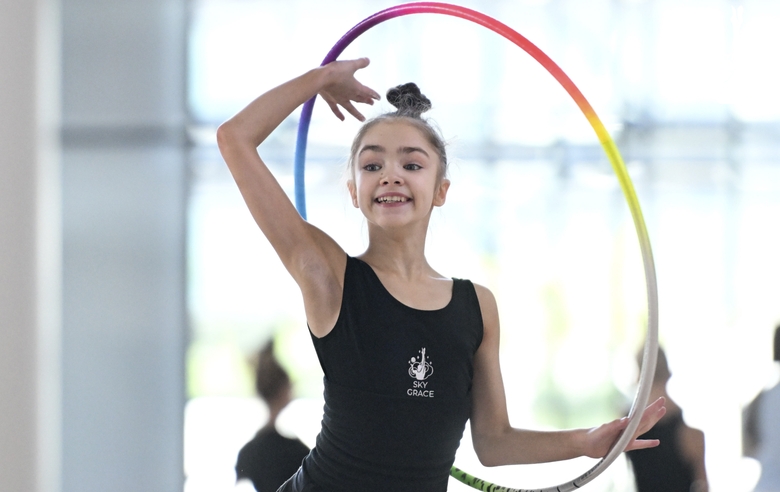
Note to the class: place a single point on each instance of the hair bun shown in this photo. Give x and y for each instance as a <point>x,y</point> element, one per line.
<point>408,100</point>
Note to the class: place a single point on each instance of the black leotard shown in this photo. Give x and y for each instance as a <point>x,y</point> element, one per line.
<point>397,389</point>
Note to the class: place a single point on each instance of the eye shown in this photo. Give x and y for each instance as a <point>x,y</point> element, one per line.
<point>372,167</point>
<point>412,166</point>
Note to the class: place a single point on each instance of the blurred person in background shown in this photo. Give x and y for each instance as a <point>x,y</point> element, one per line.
<point>269,459</point>
<point>677,465</point>
<point>761,433</point>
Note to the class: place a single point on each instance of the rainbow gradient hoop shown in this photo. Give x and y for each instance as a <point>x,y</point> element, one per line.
<point>651,340</point>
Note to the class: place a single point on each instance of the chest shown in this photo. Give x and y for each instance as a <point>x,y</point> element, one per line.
<point>429,294</point>
<point>382,346</point>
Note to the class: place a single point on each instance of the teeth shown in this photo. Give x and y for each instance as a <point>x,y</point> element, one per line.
<point>391,199</point>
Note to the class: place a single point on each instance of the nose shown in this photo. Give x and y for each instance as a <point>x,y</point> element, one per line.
<point>391,175</point>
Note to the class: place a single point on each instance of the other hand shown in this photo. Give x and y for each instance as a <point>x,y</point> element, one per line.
<point>599,440</point>
<point>342,88</point>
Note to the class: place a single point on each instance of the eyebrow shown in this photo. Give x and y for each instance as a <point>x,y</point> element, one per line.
<point>410,150</point>
<point>401,150</point>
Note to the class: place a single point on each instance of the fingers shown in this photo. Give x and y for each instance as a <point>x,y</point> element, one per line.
<point>653,413</point>
<point>602,438</point>
<point>348,106</point>
<point>342,89</point>
<point>368,96</point>
<point>660,402</point>
<point>371,95</point>
<point>642,444</point>
<point>335,108</point>
<point>353,111</point>
<point>362,94</point>
<point>360,62</point>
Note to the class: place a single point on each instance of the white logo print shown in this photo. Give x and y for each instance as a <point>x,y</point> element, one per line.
<point>420,369</point>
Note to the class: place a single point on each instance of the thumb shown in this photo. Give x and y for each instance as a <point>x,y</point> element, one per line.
<point>361,62</point>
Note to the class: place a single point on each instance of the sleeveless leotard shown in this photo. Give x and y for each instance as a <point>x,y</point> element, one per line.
<point>397,389</point>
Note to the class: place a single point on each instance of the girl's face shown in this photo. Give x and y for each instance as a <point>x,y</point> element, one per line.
<point>396,175</point>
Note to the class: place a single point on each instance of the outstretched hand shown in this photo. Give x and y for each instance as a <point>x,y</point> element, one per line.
<point>342,88</point>
<point>600,439</point>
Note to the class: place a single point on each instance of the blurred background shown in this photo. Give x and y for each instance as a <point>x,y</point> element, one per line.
<point>136,288</point>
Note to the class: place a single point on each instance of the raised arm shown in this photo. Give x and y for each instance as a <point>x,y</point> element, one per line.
<point>313,259</point>
<point>496,442</point>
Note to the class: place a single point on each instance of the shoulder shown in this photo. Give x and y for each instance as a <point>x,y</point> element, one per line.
<point>692,441</point>
<point>483,293</point>
<point>247,454</point>
<point>488,308</point>
<point>693,435</point>
<point>487,301</point>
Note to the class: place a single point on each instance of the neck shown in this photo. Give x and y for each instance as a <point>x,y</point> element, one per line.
<point>398,251</point>
<point>658,390</point>
<point>275,408</point>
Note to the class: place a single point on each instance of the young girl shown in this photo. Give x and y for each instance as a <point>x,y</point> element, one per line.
<point>409,355</point>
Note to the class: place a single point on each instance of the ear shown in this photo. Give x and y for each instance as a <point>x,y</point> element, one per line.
<point>441,193</point>
<point>352,192</point>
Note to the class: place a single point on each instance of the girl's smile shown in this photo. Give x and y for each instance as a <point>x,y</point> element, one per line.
<point>392,199</point>
<point>397,171</point>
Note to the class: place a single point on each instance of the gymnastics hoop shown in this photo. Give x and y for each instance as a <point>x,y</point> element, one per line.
<point>651,341</point>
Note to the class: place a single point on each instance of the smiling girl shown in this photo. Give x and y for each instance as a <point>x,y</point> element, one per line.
<point>390,424</point>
